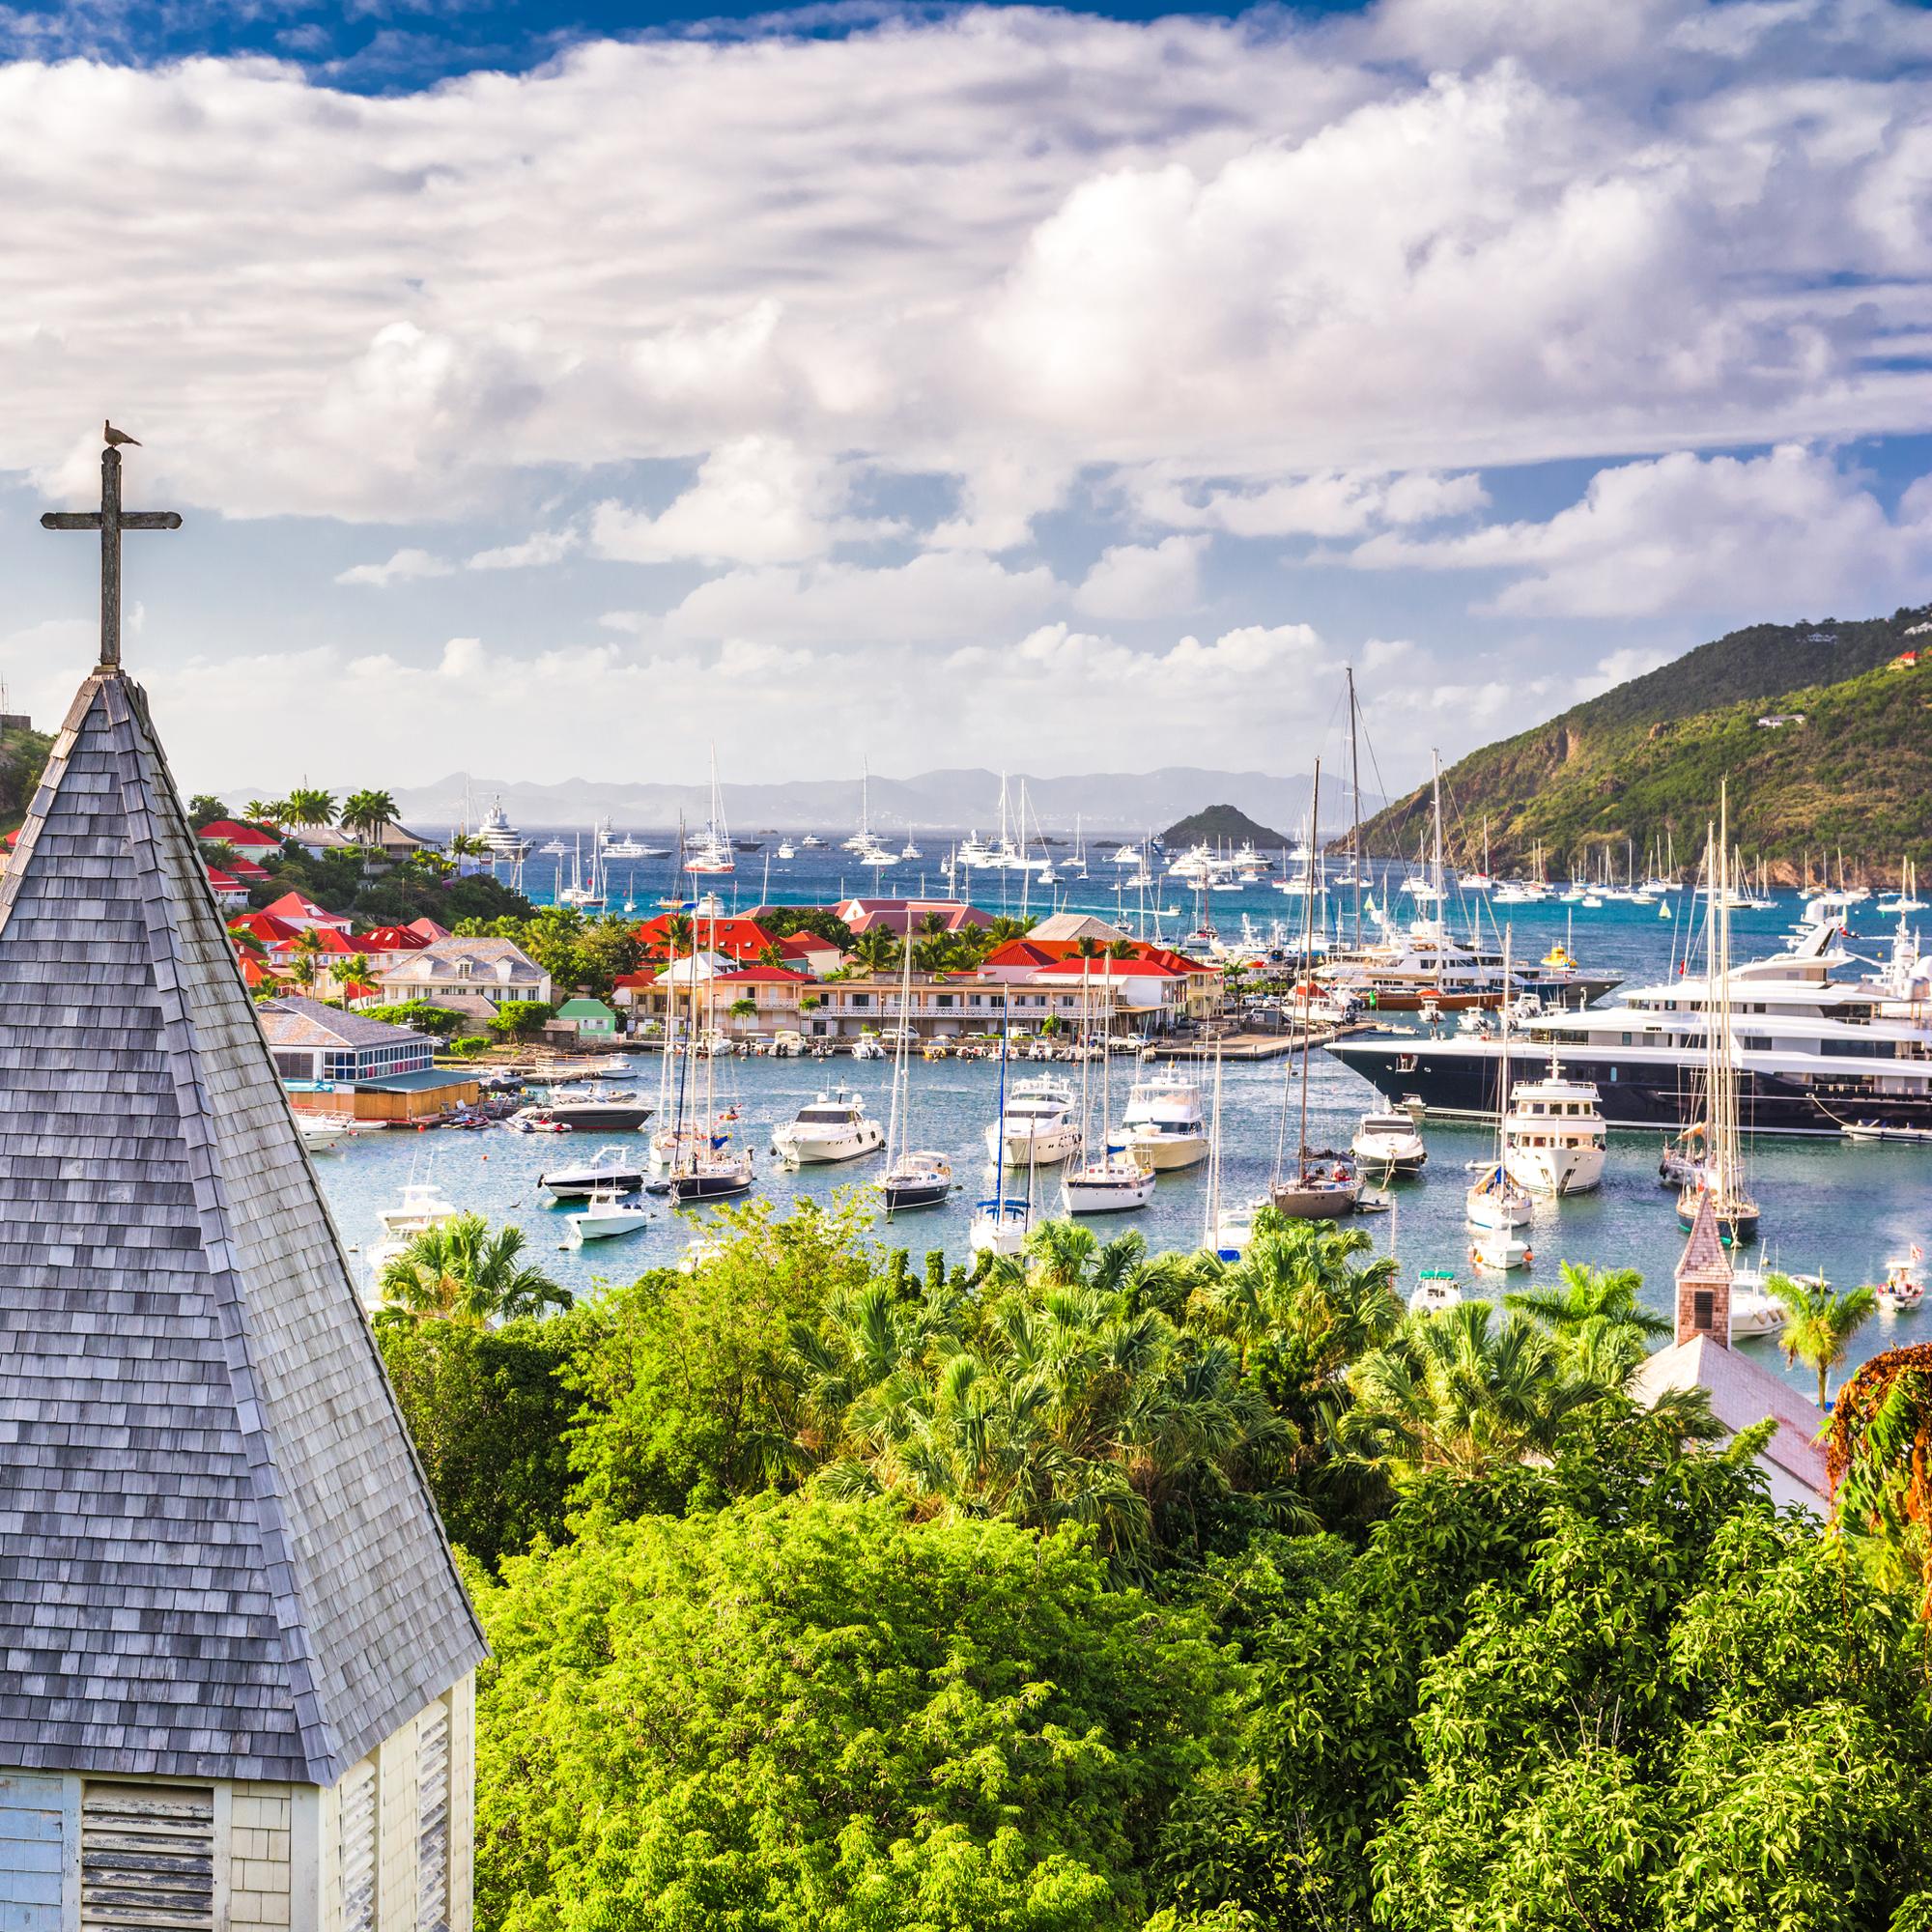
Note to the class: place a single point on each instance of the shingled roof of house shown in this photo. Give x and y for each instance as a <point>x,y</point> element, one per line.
<point>218,1557</point>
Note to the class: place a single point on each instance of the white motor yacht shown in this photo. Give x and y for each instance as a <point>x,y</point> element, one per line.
<point>1554,1136</point>
<point>834,1127</point>
<point>1112,1185</point>
<point>423,1206</point>
<point>1387,1143</point>
<point>610,1170</point>
<point>1434,1289</point>
<point>1499,1249</point>
<point>606,1214</point>
<point>1164,1127</point>
<point>1037,1128</point>
<point>318,1135</point>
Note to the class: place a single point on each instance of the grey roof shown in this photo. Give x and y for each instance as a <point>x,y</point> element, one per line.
<point>218,1557</point>
<point>296,1020</point>
<point>494,959</point>
<point>1741,1393</point>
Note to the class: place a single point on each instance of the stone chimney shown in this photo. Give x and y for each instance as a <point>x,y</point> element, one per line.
<point>1704,1280</point>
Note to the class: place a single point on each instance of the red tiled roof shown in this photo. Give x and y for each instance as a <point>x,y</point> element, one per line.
<point>298,905</point>
<point>221,881</point>
<point>232,832</point>
<point>765,976</point>
<point>1150,967</point>
<point>264,925</point>
<point>1052,951</point>
<point>390,939</point>
<point>429,930</point>
<point>246,870</point>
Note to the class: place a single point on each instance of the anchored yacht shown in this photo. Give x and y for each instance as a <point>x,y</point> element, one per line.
<point>1814,1047</point>
<point>835,1126</point>
<point>1037,1128</point>
<point>1553,1137</point>
<point>1165,1126</point>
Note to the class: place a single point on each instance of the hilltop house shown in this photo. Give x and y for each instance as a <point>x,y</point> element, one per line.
<point>246,842</point>
<point>468,975</point>
<point>393,841</point>
<point>237,1687</point>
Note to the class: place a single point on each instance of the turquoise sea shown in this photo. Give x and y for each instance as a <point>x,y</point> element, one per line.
<point>1842,1209</point>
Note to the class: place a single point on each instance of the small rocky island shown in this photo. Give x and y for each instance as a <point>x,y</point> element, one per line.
<point>1221,824</point>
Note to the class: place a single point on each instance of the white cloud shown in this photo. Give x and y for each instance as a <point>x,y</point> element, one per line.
<point>934,599</point>
<point>755,499</point>
<point>405,567</point>
<point>1776,534</point>
<point>1141,581</point>
<point>1004,246</point>
<point>540,548</point>
<point>1337,504</point>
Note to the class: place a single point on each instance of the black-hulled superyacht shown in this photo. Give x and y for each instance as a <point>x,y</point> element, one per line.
<point>1817,1048</point>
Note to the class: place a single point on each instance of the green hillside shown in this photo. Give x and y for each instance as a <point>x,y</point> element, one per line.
<point>1221,824</point>
<point>23,755</point>
<point>1646,758</point>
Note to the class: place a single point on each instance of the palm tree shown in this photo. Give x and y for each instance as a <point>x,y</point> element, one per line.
<point>1458,1392</point>
<point>303,971</point>
<point>355,970</point>
<point>306,806</point>
<point>367,813</point>
<point>1300,1283</point>
<point>743,1010</point>
<point>265,811</point>
<point>462,1272</point>
<point>1820,1323</point>
<point>1604,1328</point>
<point>877,948</point>
<point>1005,928</point>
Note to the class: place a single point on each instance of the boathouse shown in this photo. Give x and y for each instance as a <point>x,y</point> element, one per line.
<point>236,1658</point>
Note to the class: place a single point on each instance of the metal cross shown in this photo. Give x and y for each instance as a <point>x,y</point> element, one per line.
<point>110,520</point>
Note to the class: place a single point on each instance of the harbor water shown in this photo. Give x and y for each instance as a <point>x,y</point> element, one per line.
<point>1845,1210</point>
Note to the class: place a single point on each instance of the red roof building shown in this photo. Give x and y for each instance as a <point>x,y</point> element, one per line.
<point>298,909</point>
<point>764,976</point>
<point>247,871</point>
<point>243,837</point>
<point>265,928</point>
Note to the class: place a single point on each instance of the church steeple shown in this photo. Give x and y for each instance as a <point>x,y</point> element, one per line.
<point>221,1559</point>
<point>1704,1280</point>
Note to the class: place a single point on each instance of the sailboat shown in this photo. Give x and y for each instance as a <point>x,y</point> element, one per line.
<point>1497,1202</point>
<point>1722,1176</point>
<point>711,850</point>
<point>1319,1188</point>
<point>911,1179</point>
<point>1117,1183</point>
<point>702,1165</point>
<point>999,1224</point>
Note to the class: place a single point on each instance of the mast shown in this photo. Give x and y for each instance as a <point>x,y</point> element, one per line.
<point>1436,795</point>
<point>1301,1152</point>
<point>1354,807</point>
<point>898,1129</point>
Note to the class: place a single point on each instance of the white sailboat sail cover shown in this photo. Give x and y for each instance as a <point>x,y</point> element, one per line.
<point>218,1557</point>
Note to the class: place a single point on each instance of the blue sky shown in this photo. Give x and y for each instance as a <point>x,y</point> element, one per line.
<point>553,392</point>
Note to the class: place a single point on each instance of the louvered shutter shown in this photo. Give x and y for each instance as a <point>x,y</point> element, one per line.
<point>356,1834</point>
<point>433,1819</point>
<point>147,1858</point>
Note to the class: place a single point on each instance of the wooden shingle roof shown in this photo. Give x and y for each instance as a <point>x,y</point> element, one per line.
<point>217,1553</point>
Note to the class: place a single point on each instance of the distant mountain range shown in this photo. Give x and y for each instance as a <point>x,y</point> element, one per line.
<point>1118,802</point>
<point>1825,738</point>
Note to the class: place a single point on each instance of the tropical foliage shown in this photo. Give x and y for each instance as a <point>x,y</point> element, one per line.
<point>461,1271</point>
<point>1100,1588</point>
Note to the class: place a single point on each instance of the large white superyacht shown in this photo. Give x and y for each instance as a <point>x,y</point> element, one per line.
<point>1816,1045</point>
